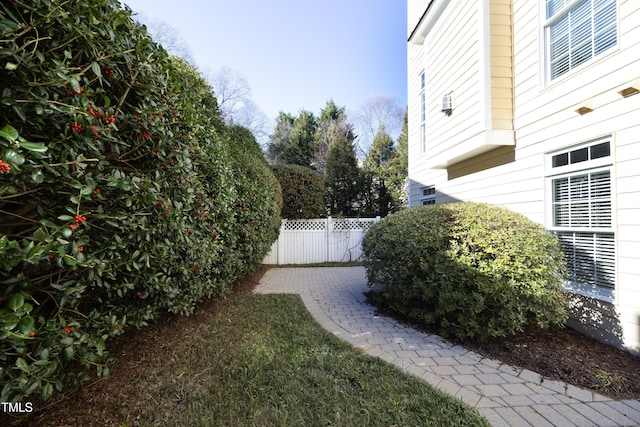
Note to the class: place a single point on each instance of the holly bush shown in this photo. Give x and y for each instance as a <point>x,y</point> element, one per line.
<point>302,191</point>
<point>123,195</point>
<point>469,270</point>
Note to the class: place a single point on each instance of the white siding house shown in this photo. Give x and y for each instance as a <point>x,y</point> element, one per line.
<point>534,105</point>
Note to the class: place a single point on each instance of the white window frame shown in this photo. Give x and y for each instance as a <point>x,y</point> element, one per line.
<point>589,166</point>
<point>547,22</point>
<point>423,113</point>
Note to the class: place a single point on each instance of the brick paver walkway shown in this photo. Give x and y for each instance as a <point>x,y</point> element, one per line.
<point>505,395</point>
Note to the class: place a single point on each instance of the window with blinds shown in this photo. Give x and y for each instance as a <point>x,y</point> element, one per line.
<point>423,114</point>
<point>577,31</point>
<point>581,215</point>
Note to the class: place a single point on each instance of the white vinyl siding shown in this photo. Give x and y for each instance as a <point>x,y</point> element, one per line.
<point>578,30</point>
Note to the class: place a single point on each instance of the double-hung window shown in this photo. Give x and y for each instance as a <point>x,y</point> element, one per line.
<point>577,31</point>
<point>428,196</point>
<point>579,212</point>
<point>423,114</point>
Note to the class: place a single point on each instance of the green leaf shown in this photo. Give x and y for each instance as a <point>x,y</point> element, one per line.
<point>68,353</point>
<point>13,157</point>
<point>26,325</point>
<point>66,232</point>
<point>15,302</point>
<point>9,133</point>
<point>66,341</point>
<point>75,84</point>
<point>95,67</point>
<point>22,365</point>
<point>40,235</point>
<point>10,322</point>
<point>33,146</point>
<point>65,218</point>
<point>20,112</point>
<point>47,391</point>
<point>51,369</point>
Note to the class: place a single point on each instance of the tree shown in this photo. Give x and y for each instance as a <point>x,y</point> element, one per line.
<point>333,124</point>
<point>293,139</point>
<point>341,178</point>
<point>399,168</point>
<point>376,172</point>
<point>299,150</point>
<point>167,36</point>
<point>280,139</point>
<point>302,191</point>
<point>378,112</point>
<point>234,99</point>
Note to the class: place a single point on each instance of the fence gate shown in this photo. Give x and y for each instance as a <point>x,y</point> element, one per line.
<point>311,241</point>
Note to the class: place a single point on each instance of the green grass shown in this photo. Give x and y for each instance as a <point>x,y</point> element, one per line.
<point>264,361</point>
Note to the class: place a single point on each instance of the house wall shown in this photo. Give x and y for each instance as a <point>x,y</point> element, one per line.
<point>544,119</point>
<point>501,64</point>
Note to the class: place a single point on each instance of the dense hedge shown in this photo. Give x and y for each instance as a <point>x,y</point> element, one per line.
<point>302,191</point>
<point>468,270</point>
<point>123,195</point>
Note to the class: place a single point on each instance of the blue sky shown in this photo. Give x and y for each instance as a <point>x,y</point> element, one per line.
<point>296,54</point>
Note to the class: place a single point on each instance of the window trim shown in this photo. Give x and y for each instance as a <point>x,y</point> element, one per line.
<point>585,167</point>
<point>423,112</point>
<point>545,43</point>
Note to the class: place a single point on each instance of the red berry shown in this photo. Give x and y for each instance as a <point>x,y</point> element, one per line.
<point>4,167</point>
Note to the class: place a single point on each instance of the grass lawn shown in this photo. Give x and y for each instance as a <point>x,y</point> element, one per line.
<point>264,361</point>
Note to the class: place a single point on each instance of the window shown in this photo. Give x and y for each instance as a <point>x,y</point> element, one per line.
<point>423,114</point>
<point>577,31</point>
<point>580,214</point>
<point>428,196</point>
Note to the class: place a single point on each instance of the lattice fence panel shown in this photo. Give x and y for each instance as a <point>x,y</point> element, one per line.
<point>305,225</point>
<point>352,224</point>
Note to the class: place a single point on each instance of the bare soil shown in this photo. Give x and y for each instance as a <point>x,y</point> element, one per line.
<point>561,354</point>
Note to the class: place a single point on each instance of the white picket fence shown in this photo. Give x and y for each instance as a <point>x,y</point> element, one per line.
<point>311,241</point>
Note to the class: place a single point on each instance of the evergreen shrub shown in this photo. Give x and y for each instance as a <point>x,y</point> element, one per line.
<point>123,194</point>
<point>302,191</point>
<point>467,270</point>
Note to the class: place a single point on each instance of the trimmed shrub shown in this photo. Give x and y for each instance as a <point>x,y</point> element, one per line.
<point>121,190</point>
<point>468,270</point>
<point>302,191</point>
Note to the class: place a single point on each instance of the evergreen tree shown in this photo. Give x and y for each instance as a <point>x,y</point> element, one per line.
<point>300,148</point>
<point>281,138</point>
<point>399,169</point>
<point>341,178</point>
<point>375,175</point>
<point>333,124</point>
